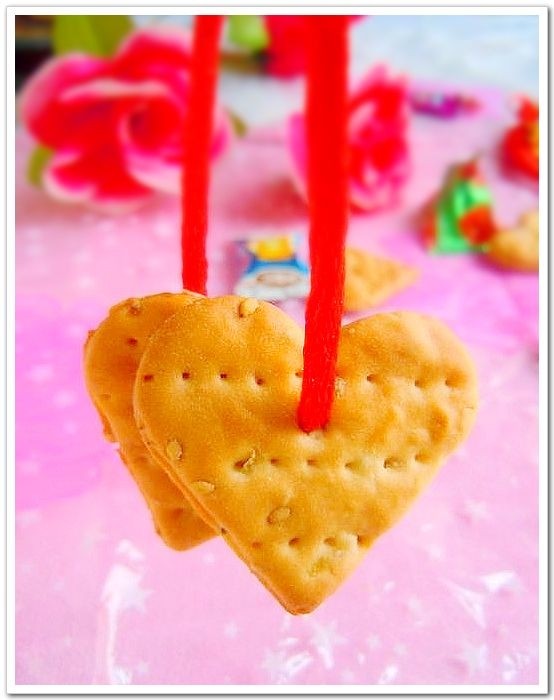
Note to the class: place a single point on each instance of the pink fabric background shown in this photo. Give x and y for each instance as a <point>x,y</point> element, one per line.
<point>448,596</point>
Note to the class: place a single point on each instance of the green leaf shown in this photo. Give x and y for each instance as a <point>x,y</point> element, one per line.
<point>248,31</point>
<point>98,35</point>
<point>37,162</point>
<point>240,127</point>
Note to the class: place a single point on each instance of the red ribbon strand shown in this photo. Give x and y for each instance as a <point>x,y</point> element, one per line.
<point>197,143</point>
<point>326,116</point>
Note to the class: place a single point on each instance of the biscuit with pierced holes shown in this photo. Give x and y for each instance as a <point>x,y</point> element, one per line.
<point>301,509</point>
<point>370,280</point>
<point>517,248</point>
<point>112,355</point>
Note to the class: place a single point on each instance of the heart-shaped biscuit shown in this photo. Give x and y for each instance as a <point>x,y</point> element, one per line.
<point>370,279</point>
<point>217,392</point>
<point>112,355</point>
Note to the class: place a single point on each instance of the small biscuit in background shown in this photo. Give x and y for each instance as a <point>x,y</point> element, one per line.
<point>112,355</point>
<point>370,280</point>
<point>517,248</point>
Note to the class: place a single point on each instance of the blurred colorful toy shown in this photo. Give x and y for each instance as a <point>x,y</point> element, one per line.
<point>520,145</point>
<point>459,218</point>
<point>444,105</point>
<point>274,271</point>
<point>378,145</point>
<point>111,129</point>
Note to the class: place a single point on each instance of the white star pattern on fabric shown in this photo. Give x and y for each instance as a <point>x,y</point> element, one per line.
<point>347,676</point>
<point>142,667</point>
<point>29,467</point>
<point>85,282</point>
<point>231,630</point>
<point>373,642</point>
<point>415,606</point>
<point>435,552</point>
<point>28,517</point>
<point>512,664</point>
<point>476,511</point>
<point>388,675</point>
<point>475,658</point>
<point>282,668</point>
<point>92,536</point>
<point>325,638</point>
<point>122,590</point>
<point>64,399</point>
<point>40,373</point>
<point>502,581</point>
<point>128,549</point>
<point>58,585</point>
<point>121,676</point>
<point>471,601</point>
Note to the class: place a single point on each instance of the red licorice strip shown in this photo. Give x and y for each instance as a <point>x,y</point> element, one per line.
<point>197,144</point>
<point>326,116</point>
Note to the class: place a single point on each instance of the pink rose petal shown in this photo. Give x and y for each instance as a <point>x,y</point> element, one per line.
<point>41,102</point>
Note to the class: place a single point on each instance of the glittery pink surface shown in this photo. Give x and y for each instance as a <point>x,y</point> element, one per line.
<point>448,596</point>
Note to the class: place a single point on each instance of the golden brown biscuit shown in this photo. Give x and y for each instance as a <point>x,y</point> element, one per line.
<point>112,355</point>
<point>224,379</point>
<point>517,248</point>
<point>370,280</point>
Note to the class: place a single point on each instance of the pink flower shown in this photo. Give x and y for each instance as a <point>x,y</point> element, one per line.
<point>378,145</point>
<point>115,125</point>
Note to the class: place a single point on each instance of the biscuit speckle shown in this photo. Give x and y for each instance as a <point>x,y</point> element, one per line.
<point>294,542</point>
<point>132,341</point>
<point>392,463</point>
<point>247,307</point>
<point>340,387</point>
<point>147,377</point>
<point>322,564</point>
<point>203,487</point>
<point>174,450</point>
<point>260,381</point>
<point>244,465</point>
<point>135,307</point>
<point>185,375</point>
<point>279,515</point>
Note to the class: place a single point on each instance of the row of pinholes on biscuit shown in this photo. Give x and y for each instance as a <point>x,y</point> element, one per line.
<point>324,554</point>
<point>186,375</point>
<point>244,465</point>
<point>452,382</point>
